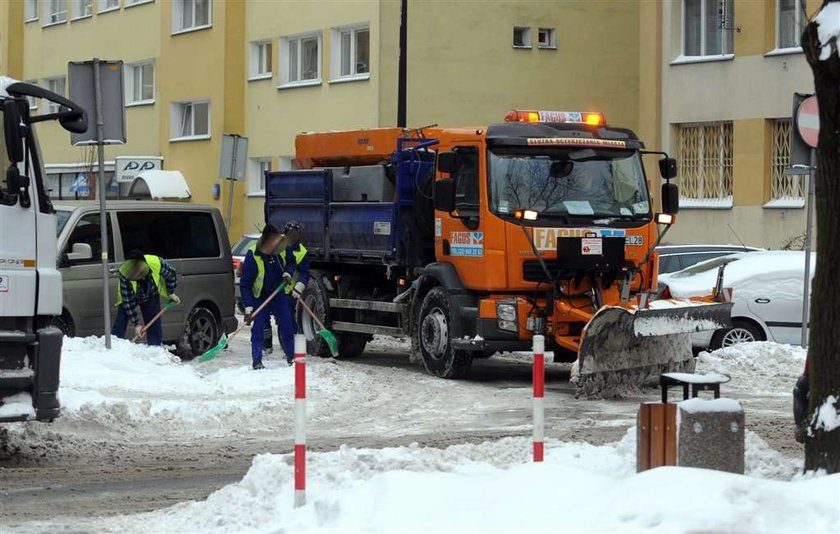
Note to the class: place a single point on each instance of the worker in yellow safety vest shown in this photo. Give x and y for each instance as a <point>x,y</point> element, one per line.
<point>295,254</point>
<point>143,280</point>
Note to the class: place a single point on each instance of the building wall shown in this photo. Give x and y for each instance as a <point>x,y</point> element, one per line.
<point>752,88</point>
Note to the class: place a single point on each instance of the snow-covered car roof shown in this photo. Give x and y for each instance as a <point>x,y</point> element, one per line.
<point>745,270</point>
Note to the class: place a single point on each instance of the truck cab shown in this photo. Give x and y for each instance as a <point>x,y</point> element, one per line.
<point>30,283</point>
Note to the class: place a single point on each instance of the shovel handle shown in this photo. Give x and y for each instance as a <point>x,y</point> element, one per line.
<point>312,314</point>
<point>259,309</point>
<point>148,325</point>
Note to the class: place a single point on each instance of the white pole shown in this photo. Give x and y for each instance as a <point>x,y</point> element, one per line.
<point>539,392</point>
<point>806,284</point>
<point>103,213</point>
<point>300,420</point>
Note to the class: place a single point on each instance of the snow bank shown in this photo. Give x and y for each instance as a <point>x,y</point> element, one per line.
<point>491,487</point>
<point>133,385</point>
<point>762,366</point>
<point>828,28</point>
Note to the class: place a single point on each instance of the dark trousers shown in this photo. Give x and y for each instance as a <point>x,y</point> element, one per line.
<point>268,344</point>
<point>148,309</point>
<point>279,308</point>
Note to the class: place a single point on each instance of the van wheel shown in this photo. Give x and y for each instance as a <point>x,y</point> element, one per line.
<point>201,333</point>
<point>65,324</point>
<point>439,357</point>
<point>315,296</point>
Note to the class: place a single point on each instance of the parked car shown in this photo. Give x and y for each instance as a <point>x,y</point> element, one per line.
<point>193,238</point>
<point>238,253</point>
<point>767,295</point>
<point>673,258</point>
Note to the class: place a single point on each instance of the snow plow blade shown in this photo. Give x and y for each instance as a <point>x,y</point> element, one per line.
<point>623,350</point>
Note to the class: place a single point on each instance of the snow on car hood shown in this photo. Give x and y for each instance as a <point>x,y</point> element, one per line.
<point>749,274</point>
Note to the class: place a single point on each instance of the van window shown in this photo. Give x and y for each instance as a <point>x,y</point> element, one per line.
<point>88,230</point>
<point>170,234</point>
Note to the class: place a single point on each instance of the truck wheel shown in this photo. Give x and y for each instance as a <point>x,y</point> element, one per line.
<point>201,333</point>
<point>439,358</point>
<point>315,296</point>
<point>65,324</point>
<point>351,345</point>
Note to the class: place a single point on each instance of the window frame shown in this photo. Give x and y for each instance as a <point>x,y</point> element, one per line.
<point>96,259</point>
<point>173,138</point>
<point>552,38</point>
<point>79,4</point>
<point>132,3</point>
<point>725,163</point>
<point>129,83</point>
<point>35,15</point>
<point>780,130</point>
<point>177,14</point>
<point>51,107</point>
<point>103,7</point>
<point>703,57</point>
<point>47,16</point>
<point>463,152</point>
<point>337,50</point>
<point>283,47</point>
<point>798,9</point>
<point>256,175</point>
<point>527,38</point>
<point>255,56</point>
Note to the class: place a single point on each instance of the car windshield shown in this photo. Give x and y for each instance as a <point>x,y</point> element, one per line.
<point>706,266</point>
<point>61,218</point>
<point>241,246</point>
<point>569,182</point>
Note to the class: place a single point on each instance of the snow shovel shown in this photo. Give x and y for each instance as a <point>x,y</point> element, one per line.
<point>215,350</point>
<point>142,333</point>
<point>328,336</point>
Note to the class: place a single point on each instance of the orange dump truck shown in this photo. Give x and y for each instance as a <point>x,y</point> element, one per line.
<point>472,240</point>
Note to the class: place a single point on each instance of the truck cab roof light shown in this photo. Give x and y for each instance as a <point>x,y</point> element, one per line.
<point>592,118</point>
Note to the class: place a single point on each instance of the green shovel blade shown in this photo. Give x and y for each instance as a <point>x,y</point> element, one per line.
<point>215,350</point>
<point>331,341</point>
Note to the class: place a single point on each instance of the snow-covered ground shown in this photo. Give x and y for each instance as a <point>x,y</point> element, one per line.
<point>119,403</point>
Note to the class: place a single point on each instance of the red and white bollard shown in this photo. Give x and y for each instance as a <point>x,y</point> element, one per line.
<point>300,420</point>
<point>539,391</point>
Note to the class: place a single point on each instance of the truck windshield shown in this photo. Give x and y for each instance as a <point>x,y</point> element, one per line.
<point>569,182</point>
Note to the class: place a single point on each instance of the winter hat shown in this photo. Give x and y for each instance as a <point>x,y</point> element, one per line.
<point>268,232</point>
<point>136,255</point>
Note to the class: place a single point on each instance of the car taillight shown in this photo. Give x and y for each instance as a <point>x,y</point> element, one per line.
<point>664,291</point>
<point>237,265</point>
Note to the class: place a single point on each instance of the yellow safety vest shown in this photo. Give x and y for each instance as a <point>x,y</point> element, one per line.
<point>256,289</point>
<point>299,254</point>
<point>154,266</point>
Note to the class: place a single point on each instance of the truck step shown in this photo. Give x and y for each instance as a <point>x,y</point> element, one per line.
<point>16,336</point>
<point>367,329</point>
<point>372,305</point>
<point>17,379</point>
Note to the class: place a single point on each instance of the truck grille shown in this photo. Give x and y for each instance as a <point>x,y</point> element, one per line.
<point>532,271</point>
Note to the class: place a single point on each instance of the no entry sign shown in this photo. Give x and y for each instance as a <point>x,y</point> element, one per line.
<point>808,121</point>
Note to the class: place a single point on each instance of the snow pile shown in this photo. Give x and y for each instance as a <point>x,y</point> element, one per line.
<point>17,405</point>
<point>828,28</point>
<point>133,385</point>
<point>701,405</point>
<point>828,416</point>
<point>762,365</point>
<point>491,487</point>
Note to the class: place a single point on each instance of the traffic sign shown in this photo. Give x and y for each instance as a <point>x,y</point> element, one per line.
<point>808,121</point>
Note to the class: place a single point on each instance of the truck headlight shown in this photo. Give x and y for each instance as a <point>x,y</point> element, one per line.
<point>506,313</point>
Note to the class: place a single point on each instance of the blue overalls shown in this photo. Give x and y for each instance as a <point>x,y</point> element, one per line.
<point>254,294</point>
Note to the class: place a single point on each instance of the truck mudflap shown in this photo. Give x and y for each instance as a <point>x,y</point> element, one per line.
<point>625,349</point>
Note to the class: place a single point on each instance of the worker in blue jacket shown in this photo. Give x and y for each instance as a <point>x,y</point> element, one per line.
<point>262,272</point>
<point>300,276</point>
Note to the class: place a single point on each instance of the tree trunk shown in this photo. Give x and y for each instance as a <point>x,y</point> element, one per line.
<point>822,449</point>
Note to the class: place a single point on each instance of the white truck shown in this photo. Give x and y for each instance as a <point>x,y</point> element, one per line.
<point>30,283</point>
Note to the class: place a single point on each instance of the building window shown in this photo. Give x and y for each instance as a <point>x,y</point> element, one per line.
<point>260,60</point>
<point>30,10</point>
<point>351,53</point>
<point>33,102</point>
<point>56,85</point>
<point>191,15</point>
<point>56,12</point>
<point>129,3</point>
<point>705,156</point>
<point>707,27</point>
<point>790,22</point>
<point>108,5</point>
<point>140,83</point>
<point>547,38</point>
<point>521,37</point>
<point>302,60</point>
<point>256,179</point>
<point>786,190</point>
<point>82,9</point>
<point>190,120</point>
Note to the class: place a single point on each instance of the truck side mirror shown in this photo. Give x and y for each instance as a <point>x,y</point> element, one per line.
<point>80,252</point>
<point>670,198</point>
<point>445,195</point>
<point>12,130</point>
<point>668,168</point>
<point>446,162</point>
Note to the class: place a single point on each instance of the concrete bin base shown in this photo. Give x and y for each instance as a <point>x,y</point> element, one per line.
<point>710,434</point>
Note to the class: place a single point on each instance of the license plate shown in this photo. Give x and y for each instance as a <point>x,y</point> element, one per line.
<point>634,241</point>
